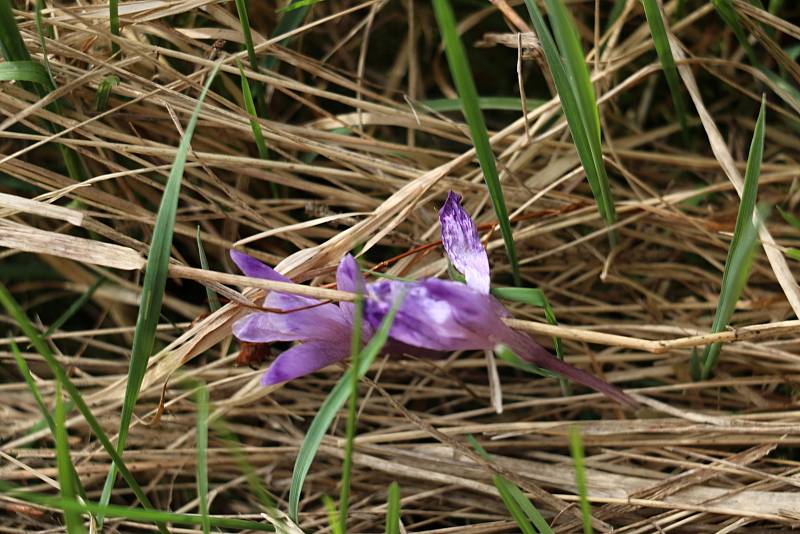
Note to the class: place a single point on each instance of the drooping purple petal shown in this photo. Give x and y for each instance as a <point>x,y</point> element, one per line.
<point>462,244</point>
<point>321,322</point>
<point>441,315</point>
<point>303,359</point>
<point>254,268</point>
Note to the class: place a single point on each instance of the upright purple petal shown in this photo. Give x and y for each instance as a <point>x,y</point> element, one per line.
<point>462,244</point>
<point>254,268</point>
<point>303,359</point>
<point>349,278</point>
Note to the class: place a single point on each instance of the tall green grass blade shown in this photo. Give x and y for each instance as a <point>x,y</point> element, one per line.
<point>525,514</point>
<point>571,78</point>
<point>202,455</point>
<point>74,307</point>
<point>15,311</point>
<point>468,94</point>
<point>290,19</point>
<point>576,449</point>
<point>43,33</point>
<point>130,514</point>
<point>258,136</point>
<point>298,4</point>
<point>113,22</point>
<point>37,396</point>
<point>658,31</point>
<point>155,280</point>
<point>727,12</point>
<point>104,91</point>
<point>24,71</point>
<point>499,103</point>
<point>244,21</point>
<point>235,447</point>
<point>213,300</point>
<point>791,220</point>
<point>333,403</point>
<point>66,469</point>
<point>534,297</point>
<point>393,510</point>
<point>352,414</point>
<point>742,247</point>
<point>13,49</point>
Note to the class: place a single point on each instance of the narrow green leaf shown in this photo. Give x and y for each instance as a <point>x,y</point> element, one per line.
<point>104,91</point>
<point>74,307</point>
<point>297,4</point>
<point>128,513</point>
<point>43,35</point>
<point>333,515</point>
<point>290,20</point>
<point>333,403</point>
<point>155,280</point>
<point>742,247</point>
<point>202,455</point>
<point>575,91</point>
<point>66,469</point>
<point>658,31</point>
<point>235,447</point>
<point>791,220</point>
<point>576,448</point>
<point>500,103</point>
<point>525,514</point>
<point>16,312</point>
<point>13,49</point>
<point>213,300</point>
<point>113,22</point>
<point>352,414</point>
<point>24,71</point>
<point>793,253</point>
<point>393,510</point>
<point>468,94</point>
<point>244,22</point>
<point>727,12</point>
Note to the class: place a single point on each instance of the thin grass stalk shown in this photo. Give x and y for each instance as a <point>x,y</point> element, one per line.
<point>66,469</point>
<point>202,456</point>
<point>576,449</point>
<point>468,94</point>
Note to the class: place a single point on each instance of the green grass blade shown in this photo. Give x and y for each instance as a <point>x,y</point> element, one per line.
<point>113,22</point>
<point>742,247</point>
<point>130,514</point>
<point>213,300</point>
<point>535,297</point>
<point>525,514</point>
<point>66,469</point>
<point>37,396</point>
<point>235,447</point>
<point>658,31</point>
<point>575,91</point>
<point>155,280</point>
<point>294,15</point>
<point>499,103</point>
<point>16,313</point>
<point>13,48</point>
<point>793,253</point>
<point>352,415</point>
<point>393,510</point>
<point>43,34</point>
<point>74,307</point>
<point>468,94</point>
<point>333,515</point>
<point>202,455</point>
<point>244,21</point>
<point>104,91</point>
<point>24,71</point>
<point>576,449</point>
<point>333,403</point>
<point>727,12</point>
<point>791,220</point>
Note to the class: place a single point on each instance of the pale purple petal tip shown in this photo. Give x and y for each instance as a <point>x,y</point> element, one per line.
<point>462,244</point>
<point>254,268</point>
<point>303,359</point>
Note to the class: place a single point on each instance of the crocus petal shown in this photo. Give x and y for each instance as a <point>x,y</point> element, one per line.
<point>348,278</point>
<point>303,359</point>
<point>326,321</point>
<point>436,314</point>
<point>462,244</point>
<point>441,315</point>
<point>254,268</point>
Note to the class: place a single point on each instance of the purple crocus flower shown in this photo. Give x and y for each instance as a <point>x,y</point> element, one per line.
<point>435,315</point>
<point>323,330</point>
